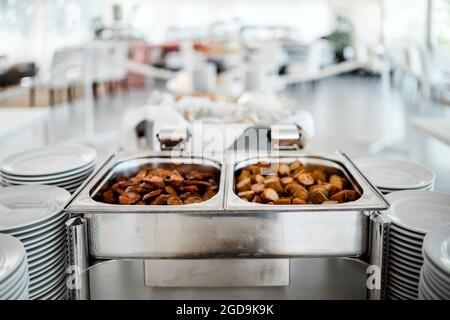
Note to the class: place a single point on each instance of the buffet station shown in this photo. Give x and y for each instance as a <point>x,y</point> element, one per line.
<point>243,213</point>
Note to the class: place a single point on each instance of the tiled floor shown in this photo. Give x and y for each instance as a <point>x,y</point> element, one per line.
<point>350,112</point>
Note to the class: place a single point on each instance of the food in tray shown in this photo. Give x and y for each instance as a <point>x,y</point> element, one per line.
<point>158,186</point>
<point>292,184</point>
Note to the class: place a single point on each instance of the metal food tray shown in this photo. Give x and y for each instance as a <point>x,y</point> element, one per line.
<point>226,226</point>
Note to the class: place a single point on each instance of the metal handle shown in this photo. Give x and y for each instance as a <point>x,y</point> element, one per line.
<point>379,232</point>
<point>78,279</point>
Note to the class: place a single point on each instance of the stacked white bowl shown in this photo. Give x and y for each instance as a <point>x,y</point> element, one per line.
<point>65,166</point>
<point>391,175</point>
<point>435,274</point>
<point>413,215</point>
<point>13,269</point>
<point>33,214</point>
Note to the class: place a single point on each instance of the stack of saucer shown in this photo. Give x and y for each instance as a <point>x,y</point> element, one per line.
<point>391,175</point>
<point>413,214</point>
<point>13,269</point>
<point>65,166</point>
<point>33,214</point>
<point>435,275</point>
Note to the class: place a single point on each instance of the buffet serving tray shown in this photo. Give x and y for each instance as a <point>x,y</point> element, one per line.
<point>226,226</point>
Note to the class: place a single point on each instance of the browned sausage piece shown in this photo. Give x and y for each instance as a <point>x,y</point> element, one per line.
<point>298,201</point>
<point>188,188</point>
<point>174,200</point>
<point>175,178</point>
<point>283,201</point>
<point>244,185</point>
<point>274,183</point>
<point>319,188</point>
<point>297,191</point>
<point>345,196</point>
<point>108,197</point>
<point>338,181</point>
<point>246,194</point>
<point>269,195</point>
<point>129,196</point>
<point>160,200</point>
<point>320,174</point>
<point>139,176</point>
<point>209,194</point>
<point>287,180</point>
<point>257,199</point>
<point>196,175</point>
<point>317,197</point>
<point>283,169</point>
<point>305,178</point>
<point>155,181</point>
<point>191,200</point>
<point>171,190</point>
<point>197,183</point>
<point>259,179</point>
<point>244,174</point>
<point>257,187</point>
<point>295,165</point>
<point>152,194</point>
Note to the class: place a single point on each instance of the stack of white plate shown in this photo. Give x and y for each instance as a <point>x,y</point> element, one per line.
<point>13,269</point>
<point>391,175</point>
<point>65,166</point>
<point>413,214</point>
<point>435,275</point>
<point>33,215</point>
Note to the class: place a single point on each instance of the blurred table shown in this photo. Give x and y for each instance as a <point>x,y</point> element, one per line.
<point>438,128</point>
<point>14,120</point>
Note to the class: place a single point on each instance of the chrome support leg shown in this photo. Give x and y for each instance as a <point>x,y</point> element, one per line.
<point>376,273</point>
<point>78,277</point>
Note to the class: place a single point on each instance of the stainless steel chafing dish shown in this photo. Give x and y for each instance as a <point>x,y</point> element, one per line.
<point>225,226</point>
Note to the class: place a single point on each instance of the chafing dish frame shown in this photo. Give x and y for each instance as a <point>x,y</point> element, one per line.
<point>226,229</point>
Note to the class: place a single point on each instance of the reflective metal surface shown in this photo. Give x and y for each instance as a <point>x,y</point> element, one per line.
<point>216,272</point>
<point>309,279</point>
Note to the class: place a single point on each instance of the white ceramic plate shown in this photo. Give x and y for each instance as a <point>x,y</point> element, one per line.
<point>45,238</point>
<point>401,290</point>
<point>411,234</point>
<point>55,243</point>
<point>403,280</point>
<point>47,265</point>
<point>32,228</point>
<point>406,244</point>
<point>52,256</point>
<point>44,253</point>
<point>440,289</point>
<point>419,211</point>
<point>56,294</point>
<point>437,248</point>
<point>18,291</point>
<point>41,279</point>
<point>25,205</point>
<point>414,255</point>
<point>395,174</point>
<point>14,279</point>
<point>47,287</point>
<point>48,160</point>
<point>404,257</point>
<point>12,255</point>
<point>60,182</point>
<point>404,269</point>
<point>405,264</point>
<point>55,177</point>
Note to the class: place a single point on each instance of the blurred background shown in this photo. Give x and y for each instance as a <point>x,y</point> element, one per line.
<point>368,77</point>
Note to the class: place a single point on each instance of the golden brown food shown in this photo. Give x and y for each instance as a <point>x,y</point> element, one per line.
<point>293,184</point>
<point>159,186</point>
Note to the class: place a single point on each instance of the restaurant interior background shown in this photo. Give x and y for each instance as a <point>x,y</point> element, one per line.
<point>370,78</point>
